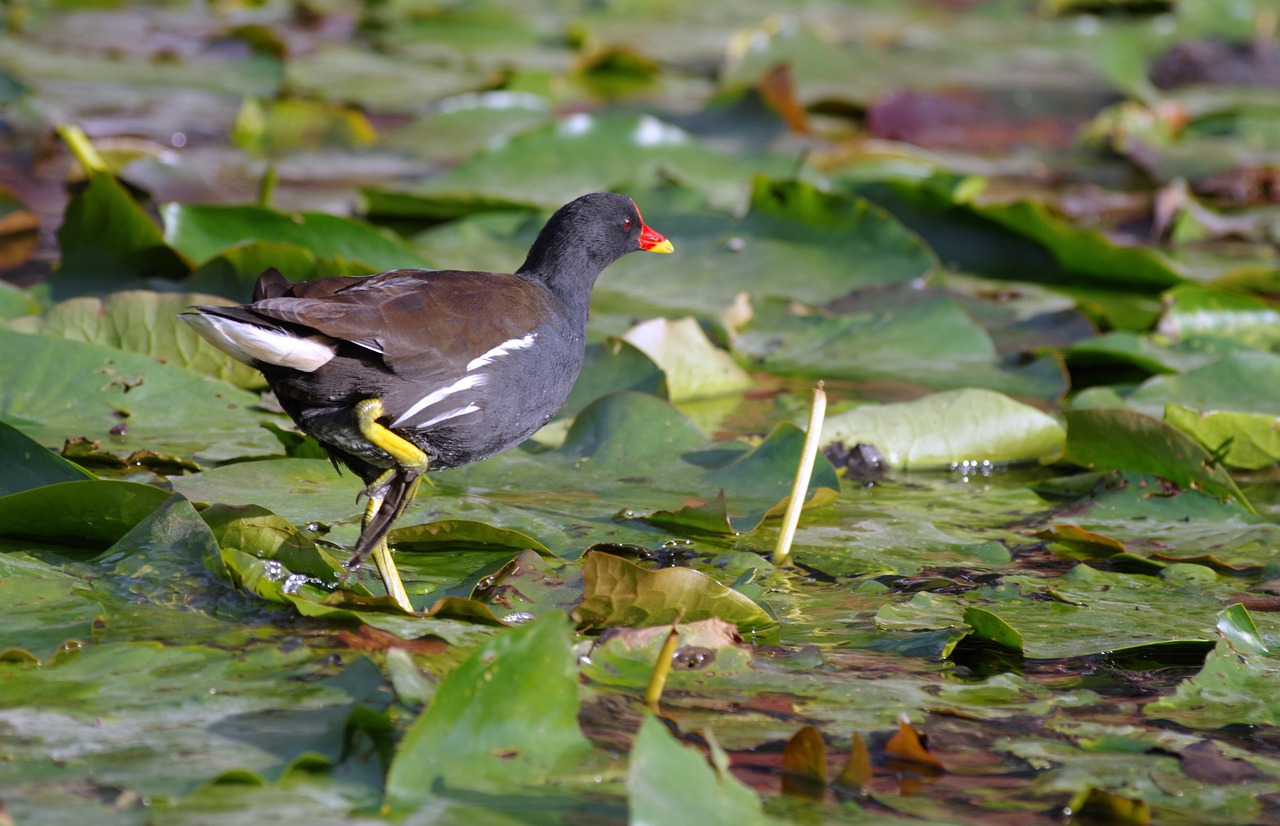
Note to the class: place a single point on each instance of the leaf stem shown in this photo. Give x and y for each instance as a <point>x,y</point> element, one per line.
<point>790,519</point>
<point>78,142</point>
<point>661,669</point>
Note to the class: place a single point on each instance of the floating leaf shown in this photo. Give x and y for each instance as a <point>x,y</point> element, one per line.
<point>203,232</point>
<point>944,429</point>
<point>53,390</point>
<point>507,715</point>
<point>932,342</point>
<point>668,782</point>
<point>29,464</point>
<point>108,241</point>
<point>1248,381</point>
<point>44,609</point>
<point>694,368</point>
<point>1125,440</point>
<point>1250,441</point>
<point>144,322</point>
<point>84,514</point>
<point>618,592</point>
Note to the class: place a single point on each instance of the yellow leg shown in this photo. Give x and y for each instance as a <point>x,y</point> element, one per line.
<point>406,454</point>
<point>411,461</point>
<point>386,565</point>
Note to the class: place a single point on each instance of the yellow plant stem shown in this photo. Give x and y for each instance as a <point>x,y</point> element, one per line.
<point>791,518</point>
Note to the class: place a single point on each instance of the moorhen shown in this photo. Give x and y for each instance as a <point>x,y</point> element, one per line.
<point>411,370</point>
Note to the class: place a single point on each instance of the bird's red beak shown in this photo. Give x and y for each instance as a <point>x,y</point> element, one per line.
<point>650,240</point>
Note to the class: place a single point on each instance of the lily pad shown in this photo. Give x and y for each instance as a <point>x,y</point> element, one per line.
<point>1244,440</point>
<point>694,368</point>
<point>618,592</point>
<point>668,782</point>
<point>203,232</point>
<point>29,464</point>
<point>108,241</point>
<point>1125,440</point>
<point>54,389</point>
<point>944,429</point>
<point>44,609</point>
<point>507,715</point>
<point>84,514</point>
<point>145,322</point>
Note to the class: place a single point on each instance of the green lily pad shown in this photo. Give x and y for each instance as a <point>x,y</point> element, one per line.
<point>1126,440</point>
<point>668,782</point>
<point>1196,311</point>
<point>44,610</point>
<point>1247,381</point>
<point>838,242</point>
<point>145,322</point>
<point>932,342</point>
<point>1082,613</point>
<point>1231,689</point>
<point>83,514</point>
<point>29,464</point>
<point>618,592</point>
<point>54,390</point>
<point>551,165</point>
<point>108,241</point>
<point>203,232</point>
<point>16,302</point>
<point>694,367</point>
<point>1243,440</point>
<point>507,715</point>
<point>944,429</point>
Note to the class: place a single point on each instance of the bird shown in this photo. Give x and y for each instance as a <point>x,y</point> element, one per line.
<point>414,370</point>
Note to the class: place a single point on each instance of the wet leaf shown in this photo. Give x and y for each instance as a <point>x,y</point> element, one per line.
<point>108,241</point>
<point>1125,440</point>
<point>944,429</point>
<point>668,782</point>
<point>1250,441</point>
<point>144,322</point>
<point>694,368</point>
<point>203,232</point>
<point>618,592</point>
<point>804,765</point>
<point>28,464</point>
<point>44,610</point>
<point>83,514</point>
<point>507,715</point>
<point>54,389</point>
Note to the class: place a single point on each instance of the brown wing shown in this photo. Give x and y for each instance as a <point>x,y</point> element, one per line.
<point>423,322</point>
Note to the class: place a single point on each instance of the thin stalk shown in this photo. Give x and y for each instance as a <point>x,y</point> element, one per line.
<point>790,519</point>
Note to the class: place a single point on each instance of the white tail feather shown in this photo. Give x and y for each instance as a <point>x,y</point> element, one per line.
<point>249,343</point>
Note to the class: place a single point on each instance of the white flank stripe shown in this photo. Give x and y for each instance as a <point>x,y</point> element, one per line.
<point>444,417</point>
<point>249,342</point>
<point>501,350</point>
<point>464,383</point>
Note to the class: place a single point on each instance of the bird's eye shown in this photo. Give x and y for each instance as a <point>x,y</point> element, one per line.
<point>626,223</point>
